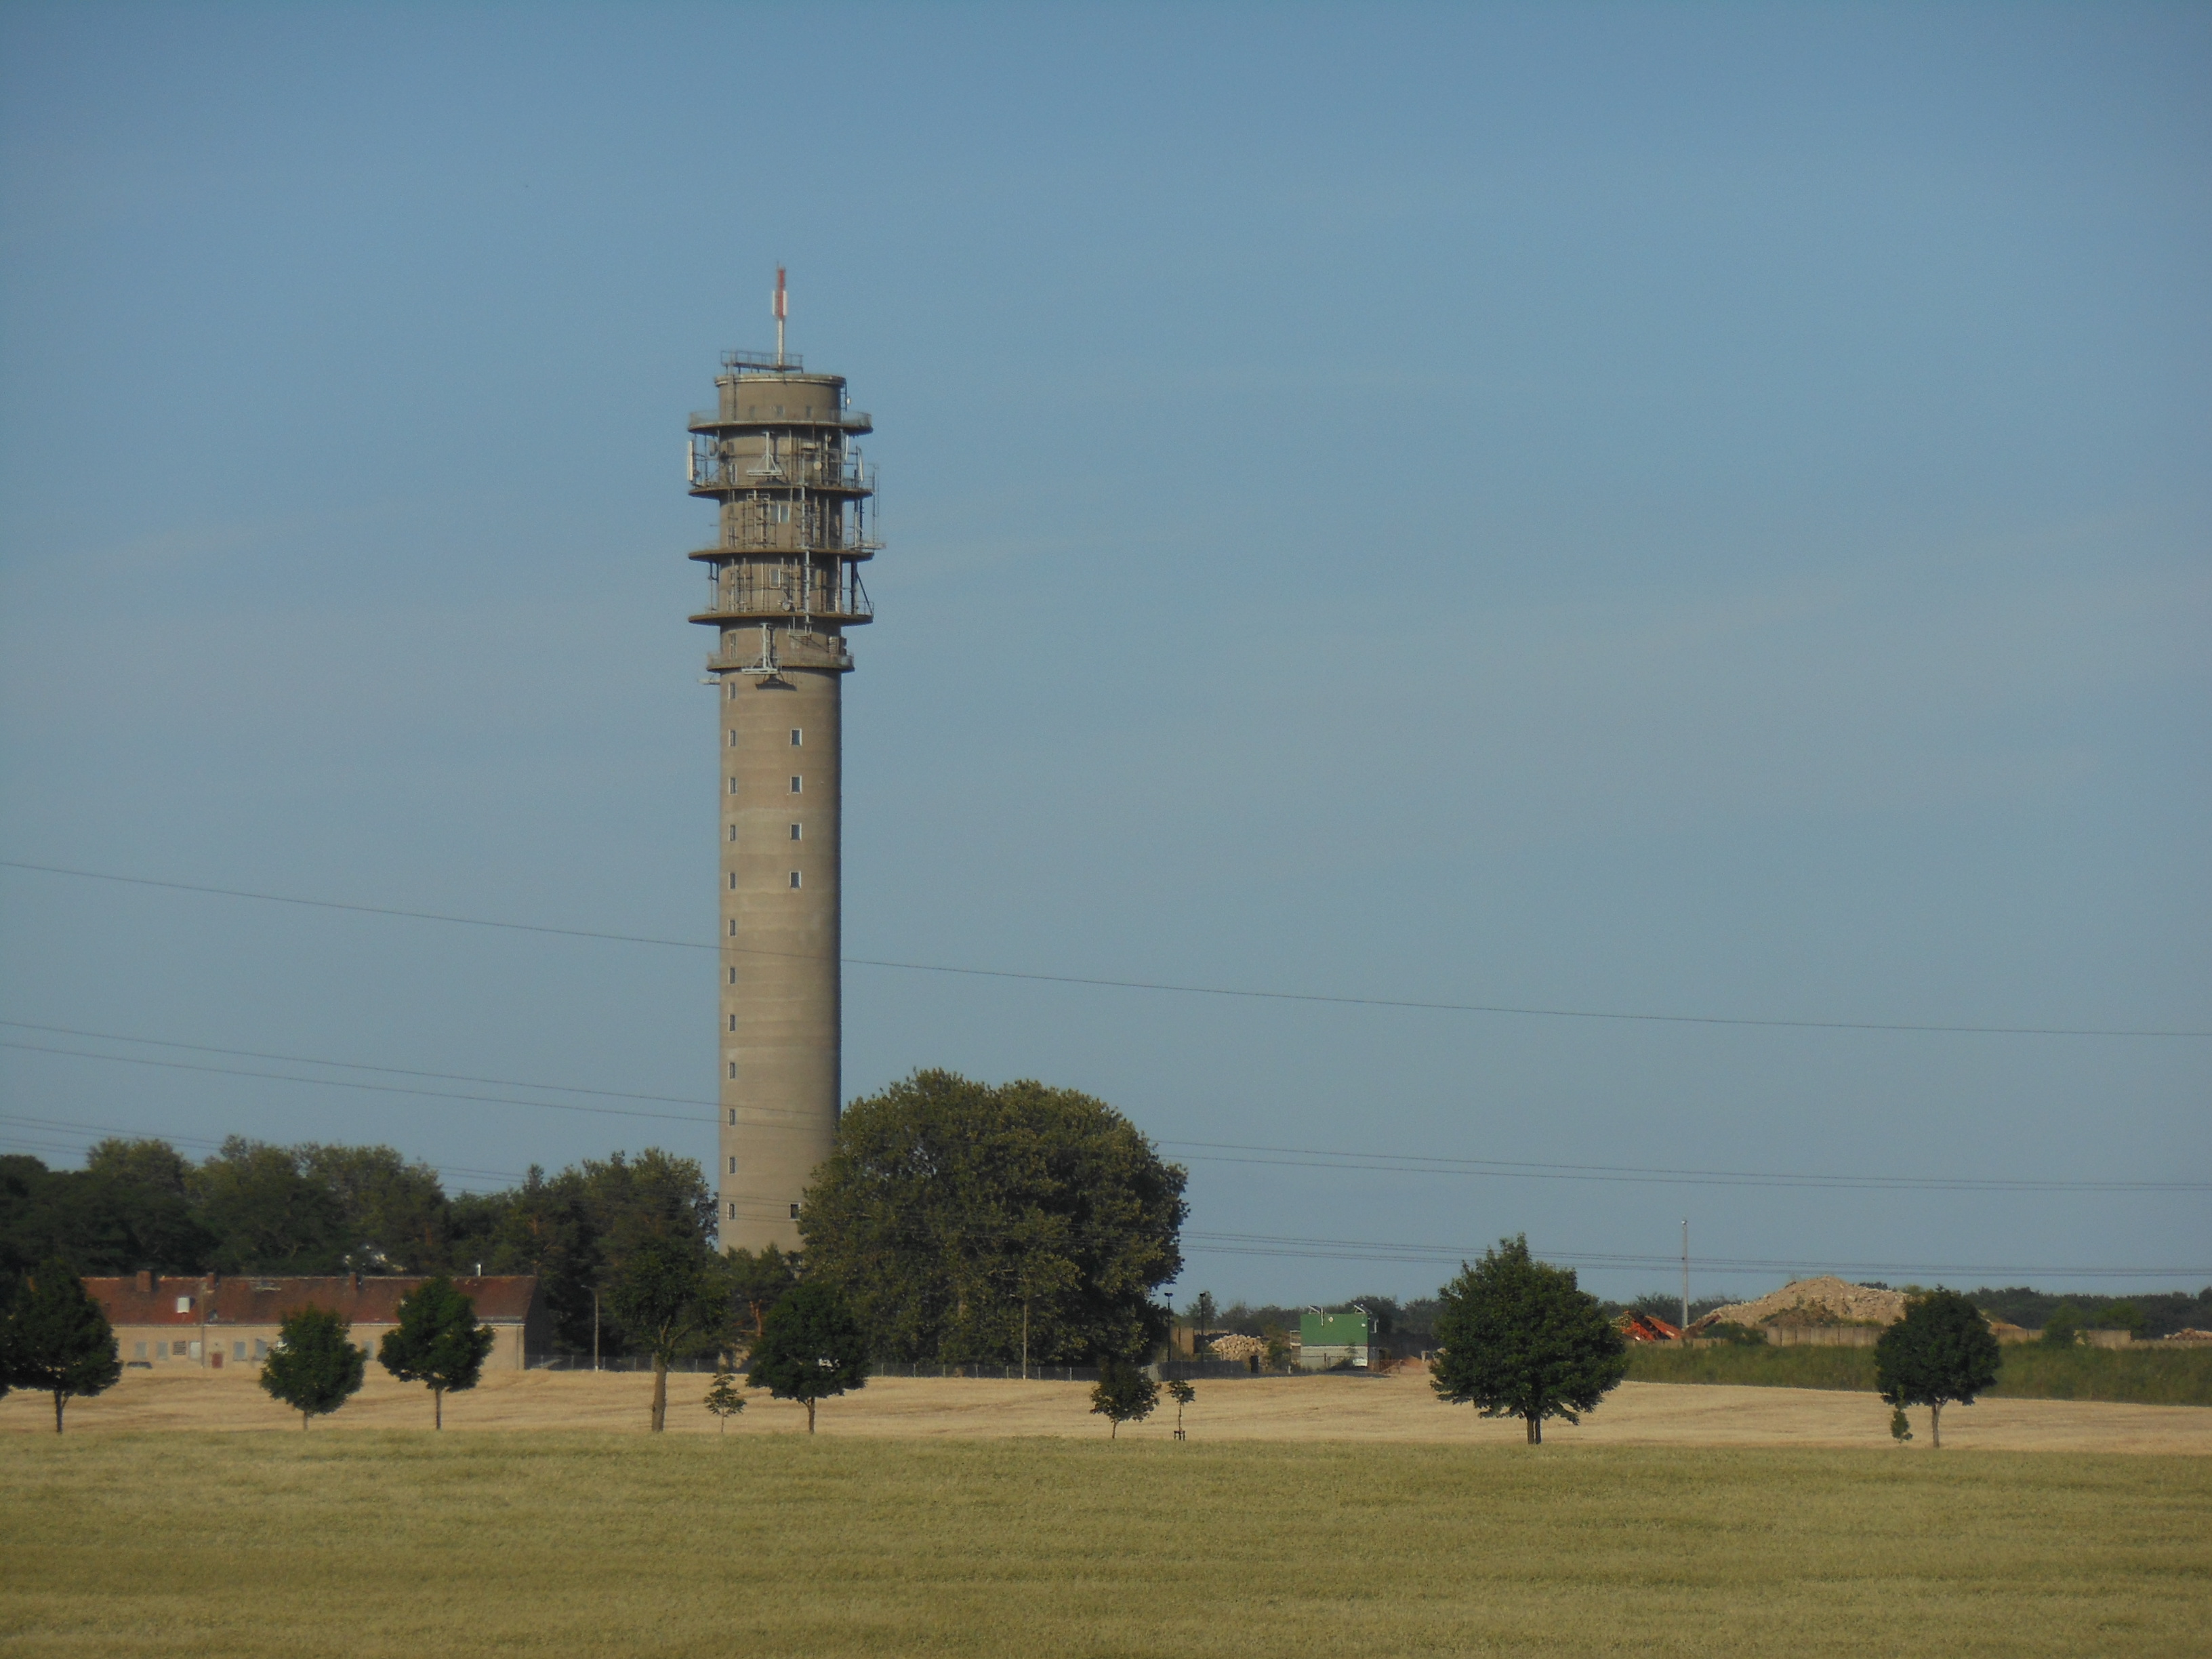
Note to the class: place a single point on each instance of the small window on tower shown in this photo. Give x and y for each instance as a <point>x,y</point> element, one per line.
<point>734,737</point>
<point>733,972</point>
<point>797,785</point>
<point>733,832</point>
<point>733,1166</point>
<point>733,1022</point>
<point>733,1071</point>
<point>734,1117</point>
<point>733,785</point>
<point>797,736</point>
<point>733,881</point>
<point>733,1212</point>
<point>795,878</point>
<point>733,926</point>
<point>795,1212</point>
<point>795,835</point>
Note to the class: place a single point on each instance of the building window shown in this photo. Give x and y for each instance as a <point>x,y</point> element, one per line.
<point>733,1022</point>
<point>795,835</point>
<point>733,785</point>
<point>183,1304</point>
<point>797,736</point>
<point>733,832</point>
<point>733,976</point>
<point>179,1349</point>
<point>733,881</point>
<point>795,1212</point>
<point>734,737</point>
<point>733,1069</point>
<point>260,1349</point>
<point>238,1351</point>
<point>795,878</point>
<point>734,1117</point>
<point>733,926</point>
<point>733,1212</point>
<point>797,785</point>
<point>138,1351</point>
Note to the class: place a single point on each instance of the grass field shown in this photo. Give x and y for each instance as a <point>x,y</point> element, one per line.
<point>381,1543</point>
<point>2153,1376</point>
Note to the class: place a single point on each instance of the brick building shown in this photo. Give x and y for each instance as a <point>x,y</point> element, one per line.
<point>208,1321</point>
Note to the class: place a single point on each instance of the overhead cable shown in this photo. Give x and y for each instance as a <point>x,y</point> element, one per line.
<point>1517,1011</point>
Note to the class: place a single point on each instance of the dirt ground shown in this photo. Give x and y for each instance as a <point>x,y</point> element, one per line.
<point>1343,1408</point>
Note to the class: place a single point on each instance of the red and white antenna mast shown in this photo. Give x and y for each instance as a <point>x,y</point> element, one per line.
<point>781,309</point>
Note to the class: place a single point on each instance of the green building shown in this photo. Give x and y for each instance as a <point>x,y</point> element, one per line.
<point>1329,1341</point>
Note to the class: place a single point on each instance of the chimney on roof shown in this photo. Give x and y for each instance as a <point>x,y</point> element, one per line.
<point>356,1279</point>
<point>208,1284</point>
<point>145,1282</point>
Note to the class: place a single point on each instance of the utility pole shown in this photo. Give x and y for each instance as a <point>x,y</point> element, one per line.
<point>1686,1275</point>
<point>595,1329</point>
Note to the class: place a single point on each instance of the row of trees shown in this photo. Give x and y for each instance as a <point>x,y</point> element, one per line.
<point>961,1222</point>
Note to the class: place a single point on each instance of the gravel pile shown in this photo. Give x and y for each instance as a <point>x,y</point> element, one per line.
<point>1824,1301</point>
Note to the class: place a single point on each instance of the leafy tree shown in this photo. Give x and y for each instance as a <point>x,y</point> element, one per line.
<point>437,1341</point>
<point>960,1217</point>
<point>97,1220</point>
<point>1942,1351</point>
<point>1520,1339</point>
<point>666,1296</point>
<point>268,1216</point>
<point>1182,1394</point>
<point>2063,1327</point>
<point>392,1211</point>
<point>723,1398</point>
<point>314,1368</point>
<point>1278,1354</point>
<point>811,1347</point>
<point>57,1340</point>
<point>758,1282</point>
<point>1900,1425</point>
<point>1124,1395</point>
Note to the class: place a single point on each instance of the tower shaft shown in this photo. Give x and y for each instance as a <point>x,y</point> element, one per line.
<point>784,586</point>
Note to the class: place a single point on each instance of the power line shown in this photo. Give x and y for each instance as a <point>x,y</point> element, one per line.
<point>1503,1009</point>
<point>1395,1162</point>
<point>1211,1151</point>
<point>1342,1249</point>
<point>78,1132</point>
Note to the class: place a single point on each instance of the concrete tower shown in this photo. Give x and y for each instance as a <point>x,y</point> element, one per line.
<point>784,584</point>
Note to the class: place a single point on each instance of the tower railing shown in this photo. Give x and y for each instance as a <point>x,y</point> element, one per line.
<point>849,419</point>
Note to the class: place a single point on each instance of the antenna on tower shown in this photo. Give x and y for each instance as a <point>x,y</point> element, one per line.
<point>780,309</point>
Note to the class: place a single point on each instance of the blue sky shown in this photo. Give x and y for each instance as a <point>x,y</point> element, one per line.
<point>1671,509</point>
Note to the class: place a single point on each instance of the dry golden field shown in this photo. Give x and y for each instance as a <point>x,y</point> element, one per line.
<point>190,1515</point>
<point>1361,1409</point>
<point>404,1543</point>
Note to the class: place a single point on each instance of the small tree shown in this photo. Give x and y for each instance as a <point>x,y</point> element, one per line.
<point>1124,1395</point>
<point>811,1348</point>
<point>665,1297</point>
<point>723,1398</point>
<point>1942,1351</point>
<point>437,1341</point>
<point>314,1368</point>
<point>1520,1339</point>
<point>1182,1394</point>
<point>57,1338</point>
<point>2063,1329</point>
<point>1278,1350</point>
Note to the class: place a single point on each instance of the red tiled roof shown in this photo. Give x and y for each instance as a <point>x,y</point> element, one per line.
<point>251,1300</point>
